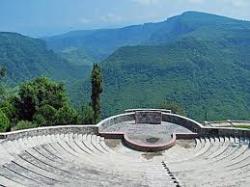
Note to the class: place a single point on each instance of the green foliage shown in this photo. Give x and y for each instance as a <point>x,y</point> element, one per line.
<point>37,93</point>
<point>45,116</point>
<point>173,106</point>
<point>66,115</point>
<point>96,83</point>
<point>25,125</point>
<point>9,110</point>
<point>87,115</point>
<point>2,72</point>
<point>4,122</point>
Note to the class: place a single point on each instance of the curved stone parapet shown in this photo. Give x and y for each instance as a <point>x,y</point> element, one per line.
<point>186,122</point>
<point>148,109</point>
<point>196,128</point>
<point>130,116</point>
<point>80,129</point>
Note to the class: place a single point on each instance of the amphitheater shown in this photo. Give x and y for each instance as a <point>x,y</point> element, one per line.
<point>141,147</point>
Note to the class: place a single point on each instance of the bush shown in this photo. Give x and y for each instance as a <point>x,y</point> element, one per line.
<point>4,122</point>
<point>9,110</point>
<point>25,125</point>
<point>174,107</point>
<point>39,92</point>
<point>45,116</point>
<point>66,115</point>
<point>40,120</point>
<point>87,115</point>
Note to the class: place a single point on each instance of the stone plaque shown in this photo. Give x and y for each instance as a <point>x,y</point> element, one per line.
<point>149,117</point>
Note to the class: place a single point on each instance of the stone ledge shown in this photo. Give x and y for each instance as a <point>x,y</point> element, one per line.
<point>148,109</point>
<point>50,130</point>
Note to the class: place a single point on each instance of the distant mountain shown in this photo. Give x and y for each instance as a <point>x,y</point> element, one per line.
<point>99,44</point>
<point>204,64</point>
<point>26,58</point>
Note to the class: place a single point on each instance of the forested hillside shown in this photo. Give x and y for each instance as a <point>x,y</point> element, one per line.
<point>25,58</point>
<point>211,82</point>
<point>206,70</point>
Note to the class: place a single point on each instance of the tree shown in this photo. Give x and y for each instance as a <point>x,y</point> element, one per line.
<point>66,115</point>
<point>173,106</point>
<point>37,93</point>
<point>2,72</point>
<point>4,122</point>
<point>96,83</point>
<point>86,115</point>
<point>45,116</point>
<point>2,87</point>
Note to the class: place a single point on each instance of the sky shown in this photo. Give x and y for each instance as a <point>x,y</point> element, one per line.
<point>50,17</point>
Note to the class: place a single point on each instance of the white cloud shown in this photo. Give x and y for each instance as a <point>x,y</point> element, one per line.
<point>196,1</point>
<point>84,20</point>
<point>111,18</point>
<point>146,2</point>
<point>239,3</point>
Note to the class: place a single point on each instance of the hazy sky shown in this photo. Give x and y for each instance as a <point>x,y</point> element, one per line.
<point>46,17</point>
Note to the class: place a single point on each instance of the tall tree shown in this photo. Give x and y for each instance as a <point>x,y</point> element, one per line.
<point>96,83</point>
<point>2,88</point>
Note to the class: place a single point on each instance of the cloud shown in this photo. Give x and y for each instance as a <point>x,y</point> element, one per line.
<point>196,1</point>
<point>84,20</point>
<point>146,2</point>
<point>111,18</point>
<point>239,3</point>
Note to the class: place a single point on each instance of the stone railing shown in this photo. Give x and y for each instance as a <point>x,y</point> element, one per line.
<point>149,110</point>
<point>188,123</point>
<point>77,129</point>
<point>197,128</point>
<point>130,116</point>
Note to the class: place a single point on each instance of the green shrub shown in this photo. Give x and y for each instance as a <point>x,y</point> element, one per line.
<point>4,122</point>
<point>45,116</point>
<point>174,107</point>
<point>86,115</point>
<point>40,120</point>
<point>9,110</point>
<point>25,125</point>
<point>66,115</point>
<point>39,92</point>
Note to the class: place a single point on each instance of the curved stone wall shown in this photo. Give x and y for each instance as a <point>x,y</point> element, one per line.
<point>79,129</point>
<point>197,128</point>
<point>130,116</point>
<point>188,123</point>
